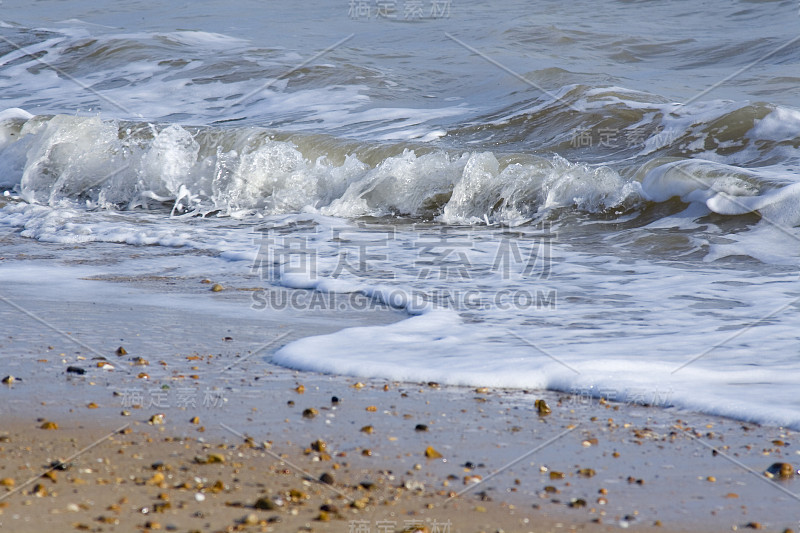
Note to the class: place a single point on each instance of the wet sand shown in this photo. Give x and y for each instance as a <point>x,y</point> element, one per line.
<point>237,430</point>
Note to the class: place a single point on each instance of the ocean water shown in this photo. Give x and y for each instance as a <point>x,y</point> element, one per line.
<point>600,198</point>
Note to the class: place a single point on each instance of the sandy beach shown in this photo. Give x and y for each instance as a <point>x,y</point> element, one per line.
<point>171,417</point>
<point>290,452</point>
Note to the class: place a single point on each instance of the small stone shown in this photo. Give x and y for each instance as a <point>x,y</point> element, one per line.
<point>335,399</point>
<point>141,361</point>
<point>92,405</point>
<point>431,453</point>
<point>39,491</point>
<point>319,445</point>
<point>372,408</point>
<point>7,482</point>
<point>250,520</point>
<point>300,389</point>
<point>369,430</point>
<point>160,507</point>
<point>420,427</point>
<point>357,385</point>
<point>265,504</point>
<point>215,458</point>
<point>576,503</point>
<point>121,351</point>
<point>76,370</point>
<point>195,420</point>
<point>216,287</point>
<point>310,413</point>
<point>542,407</point>
<point>49,425</point>
<point>9,380</point>
<point>711,479</point>
<point>586,472</point>
<point>297,495</point>
<point>754,525</point>
<point>157,419</point>
<point>781,470</point>
<point>326,478</point>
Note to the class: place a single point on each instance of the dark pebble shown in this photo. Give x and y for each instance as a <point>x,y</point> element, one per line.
<point>76,370</point>
<point>421,427</point>
<point>326,478</point>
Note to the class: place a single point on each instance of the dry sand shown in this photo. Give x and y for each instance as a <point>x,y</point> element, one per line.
<point>592,466</point>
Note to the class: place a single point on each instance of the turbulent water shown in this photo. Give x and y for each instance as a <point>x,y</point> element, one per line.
<point>600,198</point>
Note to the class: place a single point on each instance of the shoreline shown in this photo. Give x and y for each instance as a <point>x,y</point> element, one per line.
<point>190,353</point>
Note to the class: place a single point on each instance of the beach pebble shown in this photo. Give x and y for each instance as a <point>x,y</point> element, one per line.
<point>319,445</point>
<point>310,413</point>
<point>121,351</point>
<point>249,520</point>
<point>577,503</point>
<point>157,419</point>
<point>326,478</point>
<point>216,287</point>
<point>420,427</point>
<point>49,425</point>
<point>76,370</point>
<point>431,453</point>
<point>9,380</point>
<point>780,470</point>
<point>265,504</point>
<point>542,407</point>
